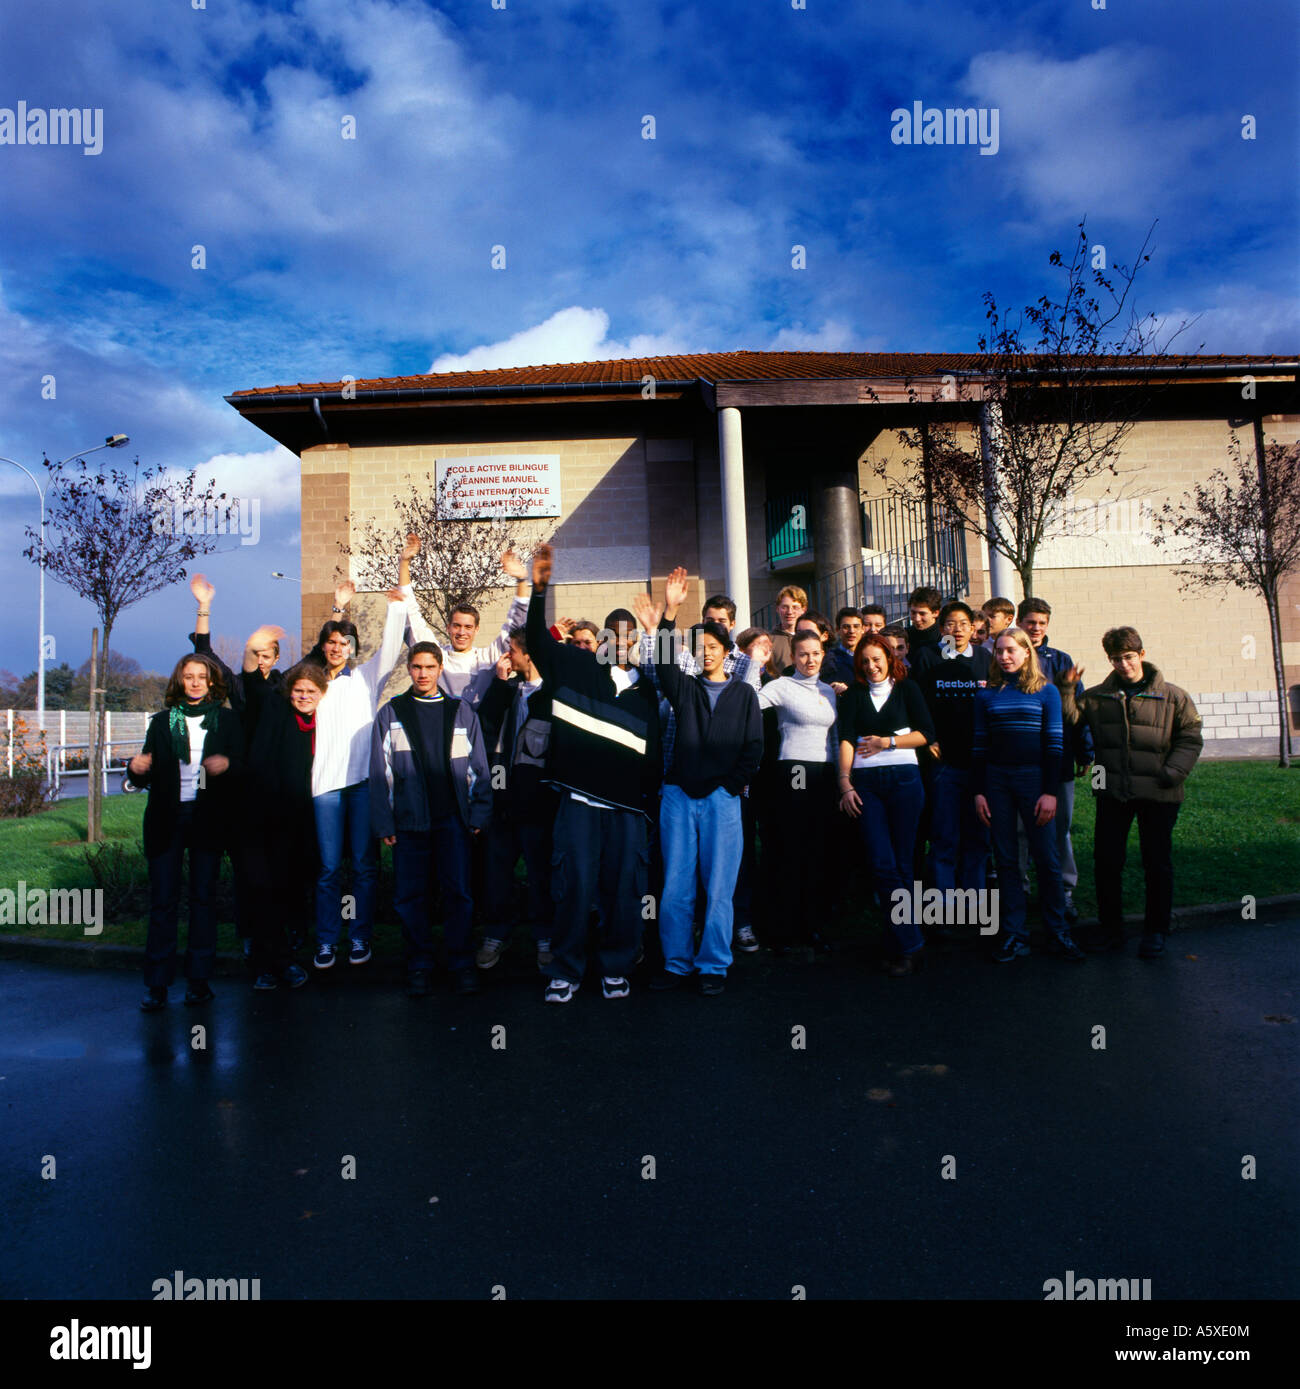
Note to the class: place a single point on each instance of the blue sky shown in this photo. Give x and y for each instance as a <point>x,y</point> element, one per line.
<point>522,126</point>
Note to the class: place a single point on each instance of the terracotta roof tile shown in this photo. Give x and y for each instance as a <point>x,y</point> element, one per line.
<point>711,366</point>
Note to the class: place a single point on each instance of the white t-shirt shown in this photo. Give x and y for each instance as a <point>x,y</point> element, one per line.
<point>190,769</point>
<point>880,691</point>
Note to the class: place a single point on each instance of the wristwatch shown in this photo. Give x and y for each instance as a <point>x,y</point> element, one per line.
<point>893,741</point>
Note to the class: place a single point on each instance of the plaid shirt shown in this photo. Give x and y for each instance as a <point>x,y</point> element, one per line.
<point>735,666</point>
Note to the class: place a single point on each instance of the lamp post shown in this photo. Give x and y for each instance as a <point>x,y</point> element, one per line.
<point>114,441</point>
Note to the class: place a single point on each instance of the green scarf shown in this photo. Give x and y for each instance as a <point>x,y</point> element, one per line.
<point>180,730</point>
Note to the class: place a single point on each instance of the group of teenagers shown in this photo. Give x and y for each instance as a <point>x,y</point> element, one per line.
<point>652,780</point>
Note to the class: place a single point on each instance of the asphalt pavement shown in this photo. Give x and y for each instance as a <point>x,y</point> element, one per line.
<point>959,1134</point>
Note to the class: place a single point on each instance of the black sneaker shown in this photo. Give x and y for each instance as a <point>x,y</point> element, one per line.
<point>1067,946</point>
<point>266,980</point>
<point>417,984</point>
<point>154,1001</point>
<point>324,957</point>
<point>666,979</point>
<point>293,977</point>
<point>199,991</point>
<point>1151,946</point>
<point>1008,949</point>
<point>712,984</point>
<point>359,953</point>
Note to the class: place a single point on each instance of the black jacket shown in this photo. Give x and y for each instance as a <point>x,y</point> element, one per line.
<point>277,777</point>
<point>949,690</point>
<point>601,741</point>
<point>717,745</point>
<point>215,803</point>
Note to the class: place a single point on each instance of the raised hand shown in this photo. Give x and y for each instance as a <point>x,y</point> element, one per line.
<point>648,612</point>
<point>543,563</point>
<point>264,636</point>
<point>411,548</point>
<point>202,589</point>
<point>675,589</point>
<point>344,593</point>
<point>514,566</point>
<point>395,595</point>
<point>1072,676</point>
<point>566,625</point>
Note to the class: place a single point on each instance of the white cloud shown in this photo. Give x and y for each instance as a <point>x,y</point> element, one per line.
<point>1093,132</point>
<point>270,477</point>
<point>570,335</point>
<point>832,336</point>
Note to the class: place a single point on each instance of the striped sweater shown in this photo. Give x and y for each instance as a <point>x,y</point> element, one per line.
<point>1015,729</point>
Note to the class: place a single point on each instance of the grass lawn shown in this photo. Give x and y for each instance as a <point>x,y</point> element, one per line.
<point>1237,833</point>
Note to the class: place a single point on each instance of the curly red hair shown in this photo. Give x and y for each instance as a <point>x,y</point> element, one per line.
<point>897,670</point>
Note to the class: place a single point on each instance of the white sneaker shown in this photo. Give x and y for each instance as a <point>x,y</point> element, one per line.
<point>489,952</point>
<point>614,987</point>
<point>560,991</point>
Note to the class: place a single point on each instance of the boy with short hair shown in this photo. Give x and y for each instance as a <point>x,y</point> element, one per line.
<point>874,618</point>
<point>791,604</point>
<point>1146,736</point>
<point>429,792</point>
<point>1000,612</point>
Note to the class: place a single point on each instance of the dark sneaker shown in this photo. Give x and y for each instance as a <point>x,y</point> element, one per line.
<point>746,940</point>
<point>1066,945</point>
<point>154,1001</point>
<point>1008,949</point>
<point>711,984</point>
<point>613,987</point>
<point>560,991</point>
<point>199,991</point>
<point>359,953</point>
<point>666,979</point>
<point>266,980</point>
<point>544,956</point>
<point>465,982</point>
<point>417,984</point>
<point>294,977</point>
<point>1151,946</point>
<point>324,958</point>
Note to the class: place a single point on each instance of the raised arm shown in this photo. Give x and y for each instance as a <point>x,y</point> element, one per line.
<point>203,592</point>
<point>379,667</point>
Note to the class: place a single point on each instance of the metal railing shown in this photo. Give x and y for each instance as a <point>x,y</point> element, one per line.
<point>787,527</point>
<point>915,547</point>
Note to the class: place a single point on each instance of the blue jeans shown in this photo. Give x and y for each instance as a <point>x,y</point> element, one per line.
<point>959,844</point>
<point>343,819</point>
<point>705,834</point>
<point>892,801</point>
<point>1012,793</point>
<point>444,849</point>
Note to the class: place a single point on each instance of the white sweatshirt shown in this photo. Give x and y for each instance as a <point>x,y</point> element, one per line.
<point>459,667</point>
<point>347,709</point>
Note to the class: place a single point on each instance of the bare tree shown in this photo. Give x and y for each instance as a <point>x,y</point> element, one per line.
<point>1243,528</point>
<point>460,551</point>
<point>116,536</point>
<point>1053,417</point>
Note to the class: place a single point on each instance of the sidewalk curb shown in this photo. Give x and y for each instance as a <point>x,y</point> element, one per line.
<point>91,955</point>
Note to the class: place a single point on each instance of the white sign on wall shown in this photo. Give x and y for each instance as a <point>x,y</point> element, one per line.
<point>499,485</point>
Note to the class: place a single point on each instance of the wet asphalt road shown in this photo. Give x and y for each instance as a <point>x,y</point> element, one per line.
<point>773,1166</point>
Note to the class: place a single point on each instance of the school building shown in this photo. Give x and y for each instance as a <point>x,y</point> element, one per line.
<point>758,469</point>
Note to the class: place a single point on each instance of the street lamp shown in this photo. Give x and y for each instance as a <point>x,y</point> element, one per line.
<point>114,441</point>
<point>275,574</point>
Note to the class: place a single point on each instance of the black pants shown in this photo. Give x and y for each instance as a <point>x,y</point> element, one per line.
<point>597,855</point>
<point>280,872</point>
<point>165,902</point>
<point>507,839</point>
<point>801,801</point>
<point>1110,848</point>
